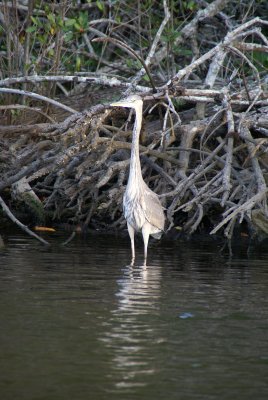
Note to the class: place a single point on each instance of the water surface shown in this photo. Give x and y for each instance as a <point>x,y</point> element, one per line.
<point>79,322</point>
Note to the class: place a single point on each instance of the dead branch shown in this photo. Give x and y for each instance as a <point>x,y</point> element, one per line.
<point>17,222</point>
<point>98,80</point>
<point>204,141</point>
<point>248,205</point>
<point>37,97</point>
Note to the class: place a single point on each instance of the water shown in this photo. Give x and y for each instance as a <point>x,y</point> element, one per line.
<point>80,323</point>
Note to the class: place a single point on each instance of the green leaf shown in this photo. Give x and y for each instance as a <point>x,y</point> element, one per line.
<point>68,36</point>
<point>78,63</point>
<point>42,38</point>
<point>51,52</point>
<point>191,5</point>
<point>83,19</point>
<point>60,22</point>
<point>77,26</point>
<point>31,29</point>
<point>100,5</point>
<point>34,20</point>
<point>70,22</point>
<point>51,18</point>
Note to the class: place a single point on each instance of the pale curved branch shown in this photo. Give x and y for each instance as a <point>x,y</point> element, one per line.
<point>38,97</point>
<point>20,224</point>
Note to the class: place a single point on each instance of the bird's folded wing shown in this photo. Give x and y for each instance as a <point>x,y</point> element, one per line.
<point>153,209</point>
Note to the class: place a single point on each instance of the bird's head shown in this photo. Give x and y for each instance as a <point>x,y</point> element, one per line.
<point>133,101</point>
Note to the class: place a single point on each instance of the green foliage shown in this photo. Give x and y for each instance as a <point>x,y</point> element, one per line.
<point>260,59</point>
<point>133,64</point>
<point>45,30</point>
<point>100,5</point>
<point>189,5</point>
<point>75,27</point>
<point>56,35</point>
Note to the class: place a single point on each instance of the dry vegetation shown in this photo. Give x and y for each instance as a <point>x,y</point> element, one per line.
<point>201,69</point>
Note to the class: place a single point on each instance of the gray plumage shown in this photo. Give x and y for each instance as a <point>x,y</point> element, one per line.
<point>142,208</point>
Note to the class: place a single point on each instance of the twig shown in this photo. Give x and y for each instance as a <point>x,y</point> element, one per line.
<point>229,38</point>
<point>98,80</point>
<point>130,51</point>
<point>125,145</point>
<point>248,205</point>
<point>261,184</point>
<point>212,74</point>
<point>70,238</point>
<point>23,107</point>
<point>252,66</point>
<point>38,97</point>
<point>230,144</point>
<point>22,226</point>
<point>200,170</point>
<point>189,30</point>
<point>160,170</point>
<point>202,194</point>
<point>153,48</point>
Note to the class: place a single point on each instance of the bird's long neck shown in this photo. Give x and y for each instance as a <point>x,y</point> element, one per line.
<point>135,166</point>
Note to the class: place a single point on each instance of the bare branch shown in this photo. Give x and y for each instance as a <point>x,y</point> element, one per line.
<point>38,97</point>
<point>248,205</point>
<point>17,222</point>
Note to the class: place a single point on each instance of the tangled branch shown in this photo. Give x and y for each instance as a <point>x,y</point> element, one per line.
<point>203,146</point>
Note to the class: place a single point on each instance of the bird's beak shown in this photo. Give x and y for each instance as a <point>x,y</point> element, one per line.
<point>117,104</point>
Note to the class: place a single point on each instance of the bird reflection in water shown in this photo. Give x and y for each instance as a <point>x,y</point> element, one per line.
<point>129,329</point>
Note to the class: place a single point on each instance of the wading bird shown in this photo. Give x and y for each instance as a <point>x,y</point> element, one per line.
<point>142,208</point>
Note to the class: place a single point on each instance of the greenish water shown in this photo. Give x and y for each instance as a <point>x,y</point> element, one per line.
<point>79,323</point>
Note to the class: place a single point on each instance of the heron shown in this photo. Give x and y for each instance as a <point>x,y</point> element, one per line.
<point>141,206</point>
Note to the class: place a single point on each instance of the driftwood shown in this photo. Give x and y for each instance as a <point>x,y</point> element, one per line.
<point>203,146</point>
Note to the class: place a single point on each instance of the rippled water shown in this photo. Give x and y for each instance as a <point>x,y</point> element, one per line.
<point>79,323</point>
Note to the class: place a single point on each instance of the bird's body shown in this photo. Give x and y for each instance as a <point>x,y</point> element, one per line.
<point>142,208</point>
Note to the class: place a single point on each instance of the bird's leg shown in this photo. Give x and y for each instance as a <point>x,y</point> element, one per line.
<point>145,234</point>
<point>131,232</point>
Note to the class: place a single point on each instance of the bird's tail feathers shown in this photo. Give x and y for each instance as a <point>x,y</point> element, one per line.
<point>157,235</point>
